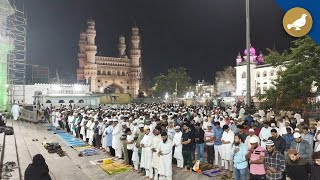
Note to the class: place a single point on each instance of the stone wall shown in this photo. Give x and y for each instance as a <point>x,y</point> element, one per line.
<point>119,98</point>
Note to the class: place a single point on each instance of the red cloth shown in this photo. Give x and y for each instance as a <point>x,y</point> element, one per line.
<point>257,131</point>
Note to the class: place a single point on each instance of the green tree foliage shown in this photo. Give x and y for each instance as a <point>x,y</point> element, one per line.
<point>166,83</point>
<point>299,69</point>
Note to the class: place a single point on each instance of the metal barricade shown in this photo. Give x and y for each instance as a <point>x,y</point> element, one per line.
<point>30,116</point>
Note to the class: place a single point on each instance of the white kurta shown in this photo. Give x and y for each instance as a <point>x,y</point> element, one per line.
<point>91,135</point>
<point>178,146</point>
<point>15,110</point>
<point>116,135</point>
<point>226,148</point>
<point>103,133</point>
<point>88,129</point>
<point>146,153</point>
<point>53,118</point>
<point>135,156</point>
<point>156,140</point>
<point>83,129</point>
<point>165,166</point>
<point>265,133</point>
<point>58,118</point>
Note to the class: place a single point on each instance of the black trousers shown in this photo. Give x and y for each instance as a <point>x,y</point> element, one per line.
<point>130,156</point>
<point>61,124</point>
<point>257,177</point>
<point>112,151</point>
<point>67,126</point>
<point>210,154</point>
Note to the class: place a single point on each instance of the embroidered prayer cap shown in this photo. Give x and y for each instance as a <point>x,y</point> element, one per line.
<point>253,140</point>
<point>251,130</point>
<point>301,120</point>
<point>270,143</point>
<point>273,124</point>
<point>141,126</point>
<point>177,127</point>
<point>123,124</point>
<point>296,135</point>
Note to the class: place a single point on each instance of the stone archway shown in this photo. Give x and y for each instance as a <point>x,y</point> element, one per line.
<point>114,88</point>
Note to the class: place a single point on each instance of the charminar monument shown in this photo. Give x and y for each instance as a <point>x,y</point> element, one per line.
<point>122,74</point>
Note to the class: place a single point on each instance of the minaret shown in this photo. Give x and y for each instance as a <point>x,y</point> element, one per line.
<point>82,49</point>
<point>135,54</point>
<point>122,46</point>
<point>239,59</point>
<point>90,70</point>
<point>91,48</point>
<point>82,55</point>
<point>135,48</point>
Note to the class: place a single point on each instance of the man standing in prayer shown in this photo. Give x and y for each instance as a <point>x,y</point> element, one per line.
<point>108,132</point>
<point>209,143</point>
<point>218,131</point>
<point>274,162</point>
<point>130,145</point>
<point>240,131</point>
<point>116,143</point>
<point>240,164</point>
<point>155,157</point>
<point>15,110</point>
<point>140,135</point>
<point>303,147</point>
<point>124,142</point>
<point>301,125</point>
<point>146,152</point>
<point>199,140</point>
<point>165,153</point>
<point>227,141</point>
<point>307,136</point>
<point>265,133</point>
<point>255,157</point>
<point>251,134</point>
<point>178,147</point>
<point>187,147</point>
<point>279,142</point>
<point>297,168</point>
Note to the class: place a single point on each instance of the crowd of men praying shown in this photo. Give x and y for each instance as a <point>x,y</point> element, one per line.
<point>152,137</point>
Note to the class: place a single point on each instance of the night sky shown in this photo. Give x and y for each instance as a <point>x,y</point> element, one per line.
<point>201,35</point>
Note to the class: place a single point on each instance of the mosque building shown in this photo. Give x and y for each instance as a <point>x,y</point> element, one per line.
<point>122,74</point>
<point>262,74</point>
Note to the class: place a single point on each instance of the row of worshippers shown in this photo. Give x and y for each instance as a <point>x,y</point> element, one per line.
<point>90,131</point>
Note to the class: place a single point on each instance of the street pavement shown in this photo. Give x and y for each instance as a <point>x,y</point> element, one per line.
<point>69,167</point>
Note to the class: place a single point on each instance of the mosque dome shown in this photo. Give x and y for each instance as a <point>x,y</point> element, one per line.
<point>252,51</point>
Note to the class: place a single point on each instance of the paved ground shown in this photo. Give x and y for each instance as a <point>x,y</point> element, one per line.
<point>70,167</point>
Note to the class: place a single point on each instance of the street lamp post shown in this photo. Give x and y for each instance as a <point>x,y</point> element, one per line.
<point>248,52</point>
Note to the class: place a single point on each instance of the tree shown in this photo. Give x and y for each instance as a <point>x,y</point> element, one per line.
<point>166,83</point>
<point>299,72</point>
<point>225,80</point>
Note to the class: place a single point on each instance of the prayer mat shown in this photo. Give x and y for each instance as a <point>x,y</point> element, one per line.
<point>71,140</point>
<point>82,148</point>
<point>115,168</point>
<point>112,167</point>
<point>214,173</point>
<point>88,152</point>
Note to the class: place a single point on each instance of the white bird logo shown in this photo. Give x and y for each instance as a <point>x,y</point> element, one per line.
<point>297,24</point>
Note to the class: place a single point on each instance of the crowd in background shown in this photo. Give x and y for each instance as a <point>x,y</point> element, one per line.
<point>261,145</point>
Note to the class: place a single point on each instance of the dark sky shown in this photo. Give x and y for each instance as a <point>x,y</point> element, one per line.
<point>201,35</point>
